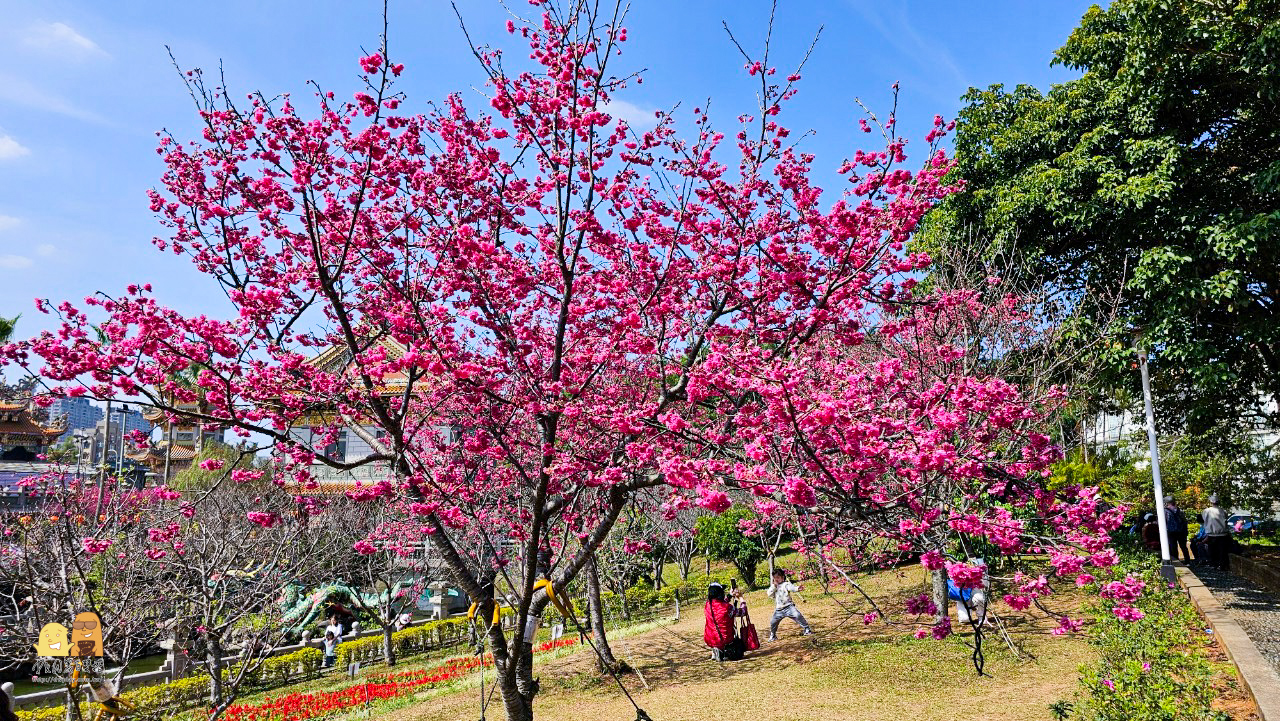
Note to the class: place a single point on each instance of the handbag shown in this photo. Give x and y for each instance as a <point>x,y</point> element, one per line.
<point>750,640</point>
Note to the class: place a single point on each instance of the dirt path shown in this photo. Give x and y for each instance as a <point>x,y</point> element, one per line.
<point>846,671</point>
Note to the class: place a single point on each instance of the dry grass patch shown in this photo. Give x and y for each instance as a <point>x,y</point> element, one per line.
<point>846,671</point>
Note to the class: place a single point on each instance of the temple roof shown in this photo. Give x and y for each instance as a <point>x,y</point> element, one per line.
<point>17,424</point>
<point>337,360</point>
<point>156,453</point>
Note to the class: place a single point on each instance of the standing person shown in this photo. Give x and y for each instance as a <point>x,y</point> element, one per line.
<point>1217,538</point>
<point>330,649</point>
<point>332,637</point>
<point>1175,521</point>
<point>335,626</point>
<point>783,607</point>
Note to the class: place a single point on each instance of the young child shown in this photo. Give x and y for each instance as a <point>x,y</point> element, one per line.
<point>330,649</point>
<point>781,591</point>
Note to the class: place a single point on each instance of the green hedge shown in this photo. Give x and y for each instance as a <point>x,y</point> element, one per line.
<point>406,642</point>
<point>147,700</point>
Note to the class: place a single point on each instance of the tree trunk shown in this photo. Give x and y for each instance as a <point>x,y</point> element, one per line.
<point>657,575</point>
<point>388,649</point>
<point>685,562</point>
<point>517,683</point>
<point>626,606</point>
<point>940,599</point>
<point>213,657</point>
<point>707,558</point>
<point>596,611</point>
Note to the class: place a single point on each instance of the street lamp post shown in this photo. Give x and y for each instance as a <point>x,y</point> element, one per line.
<point>1166,569</point>
<point>124,426</point>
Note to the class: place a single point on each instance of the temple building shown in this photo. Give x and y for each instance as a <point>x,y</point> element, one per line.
<point>349,445</point>
<point>24,432</point>
<point>179,444</point>
<point>25,435</point>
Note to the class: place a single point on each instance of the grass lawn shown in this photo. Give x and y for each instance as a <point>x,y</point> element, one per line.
<point>847,670</point>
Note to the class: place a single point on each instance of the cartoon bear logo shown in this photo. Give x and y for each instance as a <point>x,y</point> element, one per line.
<point>53,640</point>
<point>86,635</point>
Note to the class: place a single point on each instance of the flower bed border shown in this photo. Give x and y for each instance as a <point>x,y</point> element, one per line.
<point>1256,674</point>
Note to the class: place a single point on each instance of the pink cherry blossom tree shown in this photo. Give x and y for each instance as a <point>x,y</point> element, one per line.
<point>532,312</point>
<point>222,558</point>
<point>915,444</point>
<point>80,550</point>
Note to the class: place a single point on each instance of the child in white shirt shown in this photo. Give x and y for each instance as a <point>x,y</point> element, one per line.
<point>783,607</point>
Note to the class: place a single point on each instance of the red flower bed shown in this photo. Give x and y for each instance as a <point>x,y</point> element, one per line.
<point>302,706</point>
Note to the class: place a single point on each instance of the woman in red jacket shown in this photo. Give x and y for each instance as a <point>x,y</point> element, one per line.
<point>718,633</point>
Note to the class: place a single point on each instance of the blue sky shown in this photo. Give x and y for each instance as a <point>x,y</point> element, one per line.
<point>84,86</point>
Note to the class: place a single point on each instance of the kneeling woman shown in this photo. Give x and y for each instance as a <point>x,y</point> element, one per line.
<point>719,630</point>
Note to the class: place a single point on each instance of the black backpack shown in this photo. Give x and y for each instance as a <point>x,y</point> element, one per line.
<point>1177,521</point>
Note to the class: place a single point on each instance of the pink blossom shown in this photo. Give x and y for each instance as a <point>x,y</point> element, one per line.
<point>1128,613</point>
<point>932,560</point>
<point>921,605</point>
<point>1067,625</point>
<point>371,63</point>
<point>94,546</point>
<point>213,464</point>
<point>714,501</point>
<point>264,518</point>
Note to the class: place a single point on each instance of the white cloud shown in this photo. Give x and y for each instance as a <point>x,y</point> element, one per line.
<point>19,91</point>
<point>15,262</point>
<point>44,250</point>
<point>59,38</point>
<point>8,222</point>
<point>10,148</point>
<point>637,117</point>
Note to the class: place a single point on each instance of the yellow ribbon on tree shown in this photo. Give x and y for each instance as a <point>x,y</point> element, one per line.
<point>562,603</point>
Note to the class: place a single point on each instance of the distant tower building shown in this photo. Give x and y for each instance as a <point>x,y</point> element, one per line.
<point>81,413</point>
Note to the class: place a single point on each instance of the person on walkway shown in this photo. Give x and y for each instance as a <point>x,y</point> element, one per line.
<point>1175,522</point>
<point>781,591</point>
<point>1217,537</point>
<point>718,632</point>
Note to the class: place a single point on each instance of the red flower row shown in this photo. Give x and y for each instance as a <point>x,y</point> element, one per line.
<point>302,706</point>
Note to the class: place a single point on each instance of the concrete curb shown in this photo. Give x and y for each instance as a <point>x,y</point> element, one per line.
<point>1260,679</point>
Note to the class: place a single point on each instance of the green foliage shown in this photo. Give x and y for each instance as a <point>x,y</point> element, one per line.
<point>1152,669</point>
<point>1242,476</point>
<point>6,328</point>
<point>195,478</point>
<point>1153,178</point>
<point>288,667</point>
<point>721,537</point>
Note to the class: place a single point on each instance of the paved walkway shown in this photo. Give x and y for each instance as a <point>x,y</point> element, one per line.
<point>1256,610</point>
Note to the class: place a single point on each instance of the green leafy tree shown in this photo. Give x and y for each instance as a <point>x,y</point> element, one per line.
<point>6,328</point>
<point>1155,174</point>
<point>722,538</point>
<point>195,478</point>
